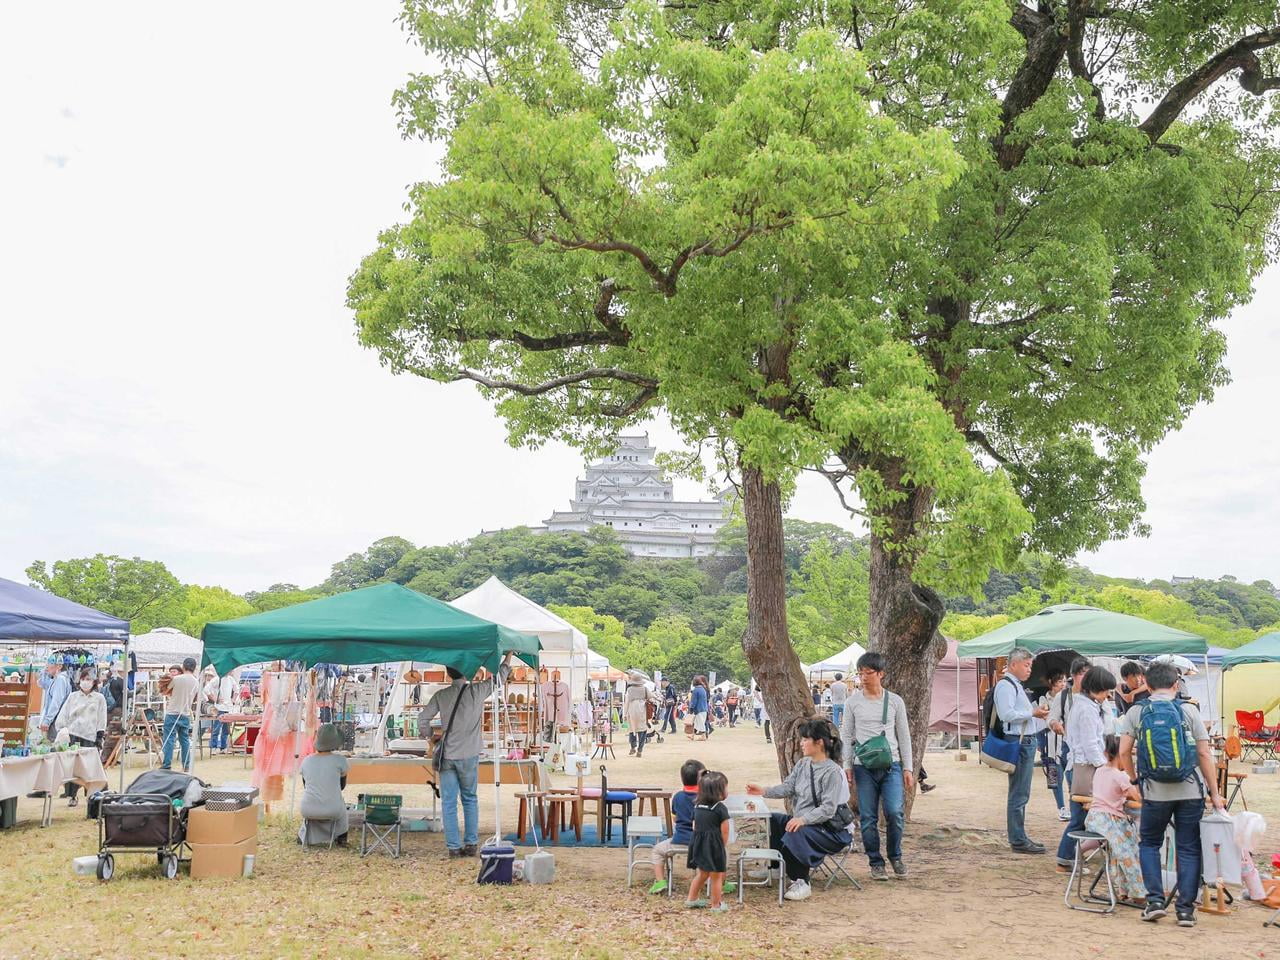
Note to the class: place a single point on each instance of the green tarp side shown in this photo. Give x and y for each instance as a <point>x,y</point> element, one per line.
<point>1266,649</point>
<point>1086,630</point>
<point>385,622</point>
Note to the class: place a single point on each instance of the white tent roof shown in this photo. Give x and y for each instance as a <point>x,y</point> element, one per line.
<point>839,662</point>
<point>165,646</point>
<point>495,601</point>
<point>596,661</point>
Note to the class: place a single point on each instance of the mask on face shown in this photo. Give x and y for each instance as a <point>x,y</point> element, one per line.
<point>86,685</point>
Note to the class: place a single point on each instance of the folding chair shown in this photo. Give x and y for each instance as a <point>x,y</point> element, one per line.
<point>308,846</point>
<point>643,833</point>
<point>770,858</point>
<point>381,823</point>
<point>1258,741</point>
<point>834,868</point>
<point>1089,847</point>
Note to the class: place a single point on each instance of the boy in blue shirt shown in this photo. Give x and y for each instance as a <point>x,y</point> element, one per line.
<point>682,804</point>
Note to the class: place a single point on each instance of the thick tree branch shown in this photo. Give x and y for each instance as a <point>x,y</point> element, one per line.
<point>1075,53</point>
<point>1045,49</point>
<point>535,389</point>
<point>1241,55</point>
<point>974,435</point>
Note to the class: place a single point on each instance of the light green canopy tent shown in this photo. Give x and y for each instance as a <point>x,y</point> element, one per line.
<point>1086,630</point>
<point>1266,649</point>
<point>382,623</point>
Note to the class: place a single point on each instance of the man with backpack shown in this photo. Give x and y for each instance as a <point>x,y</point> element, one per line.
<point>1175,768</point>
<point>1010,717</point>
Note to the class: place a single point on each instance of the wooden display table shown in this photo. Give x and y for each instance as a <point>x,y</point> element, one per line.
<point>417,771</point>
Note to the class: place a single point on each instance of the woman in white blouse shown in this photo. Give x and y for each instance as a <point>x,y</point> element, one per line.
<point>84,717</point>
<point>1086,728</point>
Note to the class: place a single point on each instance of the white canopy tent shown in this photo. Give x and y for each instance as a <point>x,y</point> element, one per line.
<point>564,646</point>
<point>163,647</point>
<point>842,662</point>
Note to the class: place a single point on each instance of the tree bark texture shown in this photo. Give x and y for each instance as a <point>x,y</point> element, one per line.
<point>773,661</point>
<point>904,619</point>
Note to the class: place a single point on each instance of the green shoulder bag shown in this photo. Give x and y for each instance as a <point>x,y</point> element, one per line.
<point>875,753</point>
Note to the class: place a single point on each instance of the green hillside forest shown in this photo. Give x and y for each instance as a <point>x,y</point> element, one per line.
<point>680,616</point>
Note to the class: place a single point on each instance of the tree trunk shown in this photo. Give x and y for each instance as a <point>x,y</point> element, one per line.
<point>904,623</point>
<point>773,661</point>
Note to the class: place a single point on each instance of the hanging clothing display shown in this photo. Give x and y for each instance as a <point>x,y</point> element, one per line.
<point>289,723</point>
<point>555,703</point>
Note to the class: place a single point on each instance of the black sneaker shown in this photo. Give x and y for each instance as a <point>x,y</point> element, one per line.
<point>1186,916</point>
<point>1153,911</point>
<point>470,850</point>
<point>899,869</point>
<point>454,854</point>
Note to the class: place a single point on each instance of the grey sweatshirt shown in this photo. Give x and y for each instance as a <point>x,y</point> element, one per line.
<point>833,790</point>
<point>464,739</point>
<point>862,722</point>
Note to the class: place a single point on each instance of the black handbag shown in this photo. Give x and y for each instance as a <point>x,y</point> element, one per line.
<point>843,816</point>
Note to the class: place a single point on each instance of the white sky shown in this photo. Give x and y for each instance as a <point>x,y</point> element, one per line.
<point>182,198</point>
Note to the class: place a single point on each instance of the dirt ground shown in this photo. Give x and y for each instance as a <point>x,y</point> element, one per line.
<point>968,898</point>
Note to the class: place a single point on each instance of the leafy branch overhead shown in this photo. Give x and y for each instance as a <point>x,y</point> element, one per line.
<point>939,249</point>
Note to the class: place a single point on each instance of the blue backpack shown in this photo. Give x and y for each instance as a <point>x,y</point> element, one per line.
<point>1166,748</point>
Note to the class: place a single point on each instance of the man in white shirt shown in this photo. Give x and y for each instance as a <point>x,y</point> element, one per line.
<point>178,704</point>
<point>839,694</point>
<point>1017,716</point>
<point>221,692</point>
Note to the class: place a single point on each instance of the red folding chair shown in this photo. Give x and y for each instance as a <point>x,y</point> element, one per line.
<point>1255,738</point>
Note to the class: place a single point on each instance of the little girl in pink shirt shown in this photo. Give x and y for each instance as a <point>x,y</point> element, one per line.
<point>1107,816</point>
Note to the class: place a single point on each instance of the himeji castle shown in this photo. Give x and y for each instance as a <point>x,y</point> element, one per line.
<point>628,492</point>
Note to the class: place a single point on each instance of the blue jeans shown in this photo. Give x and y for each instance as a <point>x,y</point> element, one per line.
<point>837,714</point>
<point>177,726</point>
<point>1020,793</point>
<point>460,777</point>
<point>1185,815</point>
<point>877,788</point>
<point>221,733</point>
<point>1067,846</point>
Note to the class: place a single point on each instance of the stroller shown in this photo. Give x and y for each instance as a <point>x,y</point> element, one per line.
<point>653,721</point>
<point>149,817</point>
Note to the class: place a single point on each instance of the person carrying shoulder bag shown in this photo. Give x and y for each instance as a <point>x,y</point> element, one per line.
<point>878,763</point>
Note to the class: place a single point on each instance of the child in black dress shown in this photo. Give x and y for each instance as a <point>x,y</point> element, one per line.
<point>707,857</point>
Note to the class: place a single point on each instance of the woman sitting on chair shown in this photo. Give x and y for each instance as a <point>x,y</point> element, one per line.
<point>820,818</point>
<point>324,774</point>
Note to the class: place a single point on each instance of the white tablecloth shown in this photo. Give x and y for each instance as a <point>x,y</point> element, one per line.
<point>22,775</point>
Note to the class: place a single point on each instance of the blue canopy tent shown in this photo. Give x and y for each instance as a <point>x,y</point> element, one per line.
<point>30,615</point>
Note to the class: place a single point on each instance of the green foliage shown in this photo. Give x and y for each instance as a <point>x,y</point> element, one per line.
<point>372,566</point>
<point>829,607</point>
<point>143,592</point>
<point>201,605</point>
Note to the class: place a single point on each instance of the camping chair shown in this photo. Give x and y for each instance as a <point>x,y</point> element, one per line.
<point>833,867</point>
<point>307,820</point>
<point>1255,738</point>
<point>381,822</point>
<point>643,833</point>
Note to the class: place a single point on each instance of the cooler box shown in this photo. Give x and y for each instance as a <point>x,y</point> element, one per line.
<point>496,861</point>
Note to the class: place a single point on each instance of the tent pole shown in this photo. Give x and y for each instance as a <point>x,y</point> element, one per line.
<point>958,734</point>
<point>500,688</point>
<point>126,715</point>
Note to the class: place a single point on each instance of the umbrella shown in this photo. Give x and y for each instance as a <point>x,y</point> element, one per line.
<point>1183,665</point>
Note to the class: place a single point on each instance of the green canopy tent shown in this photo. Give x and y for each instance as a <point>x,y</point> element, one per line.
<point>385,622</point>
<point>1266,649</point>
<point>1086,630</point>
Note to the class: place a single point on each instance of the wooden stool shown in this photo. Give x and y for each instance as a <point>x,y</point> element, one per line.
<point>528,798</point>
<point>1236,782</point>
<point>564,808</point>
<point>655,796</point>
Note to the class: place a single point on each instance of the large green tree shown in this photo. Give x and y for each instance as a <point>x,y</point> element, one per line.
<point>940,250</point>
<point>143,592</point>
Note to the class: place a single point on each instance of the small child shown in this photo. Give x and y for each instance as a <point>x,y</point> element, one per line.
<point>682,805</point>
<point>707,856</point>
<point>1107,816</point>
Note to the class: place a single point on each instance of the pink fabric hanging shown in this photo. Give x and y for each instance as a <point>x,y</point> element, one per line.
<point>288,733</point>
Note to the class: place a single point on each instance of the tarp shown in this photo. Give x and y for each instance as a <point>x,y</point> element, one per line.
<point>841,662</point>
<point>948,700</point>
<point>385,622</point>
<point>30,614</point>
<point>1266,649</point>
<point>165,646</point>
<point>564,646</point>
<point>1087,630</point>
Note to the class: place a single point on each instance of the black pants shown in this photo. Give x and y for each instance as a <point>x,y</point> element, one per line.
<point>637,740</point>
<point>768,737</point>
<point>71,789</point>
<point>733,715</point>
<point>669,720</point>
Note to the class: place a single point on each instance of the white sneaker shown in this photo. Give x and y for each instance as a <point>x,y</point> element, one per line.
<point>799,890</point>
<point>1064,814</point>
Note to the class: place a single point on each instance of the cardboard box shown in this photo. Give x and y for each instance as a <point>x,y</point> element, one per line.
<point>221,859</point>
<point>222,826</point>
